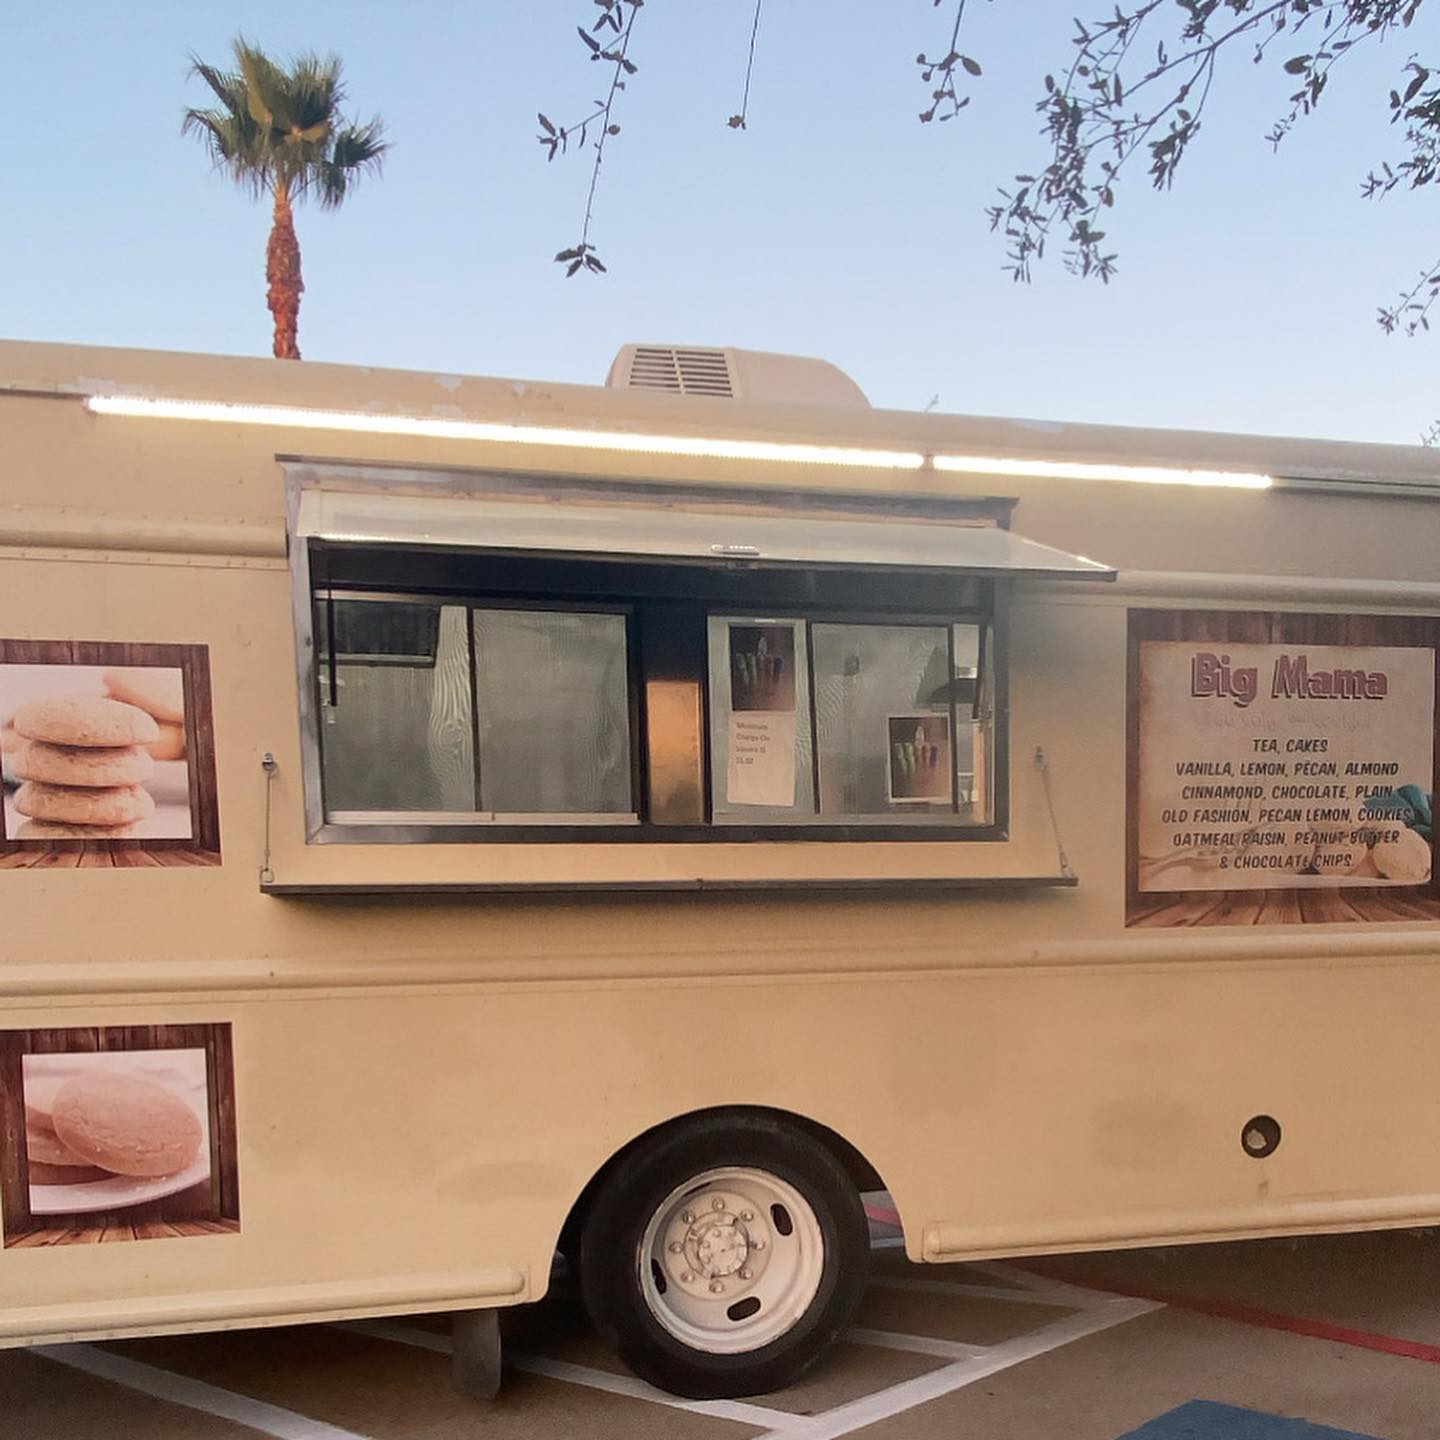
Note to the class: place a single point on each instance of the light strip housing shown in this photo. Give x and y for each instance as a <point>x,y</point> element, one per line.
<point>787,452</point>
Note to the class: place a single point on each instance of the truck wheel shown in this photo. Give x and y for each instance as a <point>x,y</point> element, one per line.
<point>723,1255</point>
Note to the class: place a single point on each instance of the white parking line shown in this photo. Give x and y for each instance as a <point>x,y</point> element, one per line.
<point>193,1394</point>
<point>884,1404</point>
<point>1028,1280</point>
<point>915,1344</point>
<point>976,1292</point>
<point>776,1422</point>
<point>968,1364</point>
<point>779,1421</point>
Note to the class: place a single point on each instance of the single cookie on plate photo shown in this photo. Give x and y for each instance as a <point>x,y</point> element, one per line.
<point>128,1133</point>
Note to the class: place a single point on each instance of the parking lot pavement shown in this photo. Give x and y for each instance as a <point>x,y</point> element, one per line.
<point>993,1351</point>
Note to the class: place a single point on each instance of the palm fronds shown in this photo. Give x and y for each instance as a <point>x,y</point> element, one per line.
<point>281,125</point>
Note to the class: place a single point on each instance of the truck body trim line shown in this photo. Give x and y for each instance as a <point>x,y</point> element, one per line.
<point>96,1320</point>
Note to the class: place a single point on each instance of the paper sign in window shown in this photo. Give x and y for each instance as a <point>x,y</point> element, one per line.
<point>762,758</point>
<point>761,765</point>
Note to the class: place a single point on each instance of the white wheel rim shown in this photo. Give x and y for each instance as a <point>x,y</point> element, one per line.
<point>731,1260</point>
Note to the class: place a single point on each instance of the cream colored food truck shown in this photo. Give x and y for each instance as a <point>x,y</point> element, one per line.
<point>447,820</point>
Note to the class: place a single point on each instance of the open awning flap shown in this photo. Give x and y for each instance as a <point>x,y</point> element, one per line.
<point>689,535</point>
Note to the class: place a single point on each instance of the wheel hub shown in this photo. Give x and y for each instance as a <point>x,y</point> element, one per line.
<point>716,1244</point>
<point>720,1249</point>
<point>731,1259</point>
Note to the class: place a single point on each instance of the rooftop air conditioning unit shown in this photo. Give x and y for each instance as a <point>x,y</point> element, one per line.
<point>728,374</point>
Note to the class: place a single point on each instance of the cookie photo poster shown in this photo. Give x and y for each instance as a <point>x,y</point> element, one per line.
<point>117,1134</point>
<point>106,745</point>
<point>921,767</point>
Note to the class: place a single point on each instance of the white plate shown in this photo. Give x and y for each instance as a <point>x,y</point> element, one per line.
<point>117,1192</point>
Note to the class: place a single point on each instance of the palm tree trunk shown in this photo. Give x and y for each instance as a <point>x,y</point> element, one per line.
<point>282,271</point>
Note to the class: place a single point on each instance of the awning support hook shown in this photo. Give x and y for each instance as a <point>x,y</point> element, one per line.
<point>268,765</point>
<point>1042,764</point>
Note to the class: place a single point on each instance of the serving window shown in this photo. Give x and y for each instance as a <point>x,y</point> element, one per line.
<point>489,656</point>
<point>461,696</point>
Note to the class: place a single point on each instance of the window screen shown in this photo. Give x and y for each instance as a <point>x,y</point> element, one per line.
<point>553,700</point>
<point>396,720</point>
<point>448,712</point>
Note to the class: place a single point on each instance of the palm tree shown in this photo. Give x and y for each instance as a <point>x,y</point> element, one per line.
<point>279,132</point>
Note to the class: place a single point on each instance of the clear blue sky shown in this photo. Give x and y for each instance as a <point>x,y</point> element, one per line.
<point>835,226</point>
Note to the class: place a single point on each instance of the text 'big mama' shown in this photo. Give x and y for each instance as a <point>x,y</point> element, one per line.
<point>1292,678</point>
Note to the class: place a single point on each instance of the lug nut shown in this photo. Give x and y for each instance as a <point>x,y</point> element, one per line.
<point>717,1203</point>
<point>717,1287</point>
<point>676,1247</point>
<point>743,1272</point>
<point>686,1277</point>
<point>686,1218</point>
<point>757,1244</point>
<point>747,1215</point>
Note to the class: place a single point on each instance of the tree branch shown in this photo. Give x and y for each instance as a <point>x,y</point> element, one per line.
<point>944,93</point>
<point>737,122</point>
<point>556,139</point>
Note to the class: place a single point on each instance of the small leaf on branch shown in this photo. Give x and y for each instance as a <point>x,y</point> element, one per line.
<point>972,67</point>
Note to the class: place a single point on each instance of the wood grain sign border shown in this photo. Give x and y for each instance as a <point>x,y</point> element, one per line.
<point>211,1208</point>
<point>1280,906</point>
<point>203,848</point>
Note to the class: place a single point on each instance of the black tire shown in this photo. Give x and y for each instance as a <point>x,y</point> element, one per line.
<point>634,1193</point>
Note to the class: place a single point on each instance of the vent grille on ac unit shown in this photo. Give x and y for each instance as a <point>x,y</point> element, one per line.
<point>681,372</point>
<point>728,373</point>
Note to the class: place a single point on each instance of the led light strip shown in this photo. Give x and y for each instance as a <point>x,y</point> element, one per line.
<point>299,418</point>
<point>302,419</point>
<point>1074,470</point>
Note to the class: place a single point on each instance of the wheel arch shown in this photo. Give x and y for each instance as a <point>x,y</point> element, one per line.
<point>852,1160</point>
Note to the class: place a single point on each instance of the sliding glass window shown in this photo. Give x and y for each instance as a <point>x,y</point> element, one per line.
<point>443,713</point>
<point>860,721</point>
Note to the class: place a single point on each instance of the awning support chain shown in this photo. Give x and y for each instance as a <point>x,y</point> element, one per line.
<point>268,765</point>
<point>1042,764</point>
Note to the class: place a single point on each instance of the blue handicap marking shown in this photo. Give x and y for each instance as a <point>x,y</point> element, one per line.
<point>1205,1420</point>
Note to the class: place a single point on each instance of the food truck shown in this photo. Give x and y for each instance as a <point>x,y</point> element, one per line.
<point>449,821</point>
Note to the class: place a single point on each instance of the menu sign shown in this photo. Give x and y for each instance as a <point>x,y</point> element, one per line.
<point>1270,766</point>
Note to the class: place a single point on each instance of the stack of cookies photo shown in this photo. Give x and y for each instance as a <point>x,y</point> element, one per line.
<point>93,753</point>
